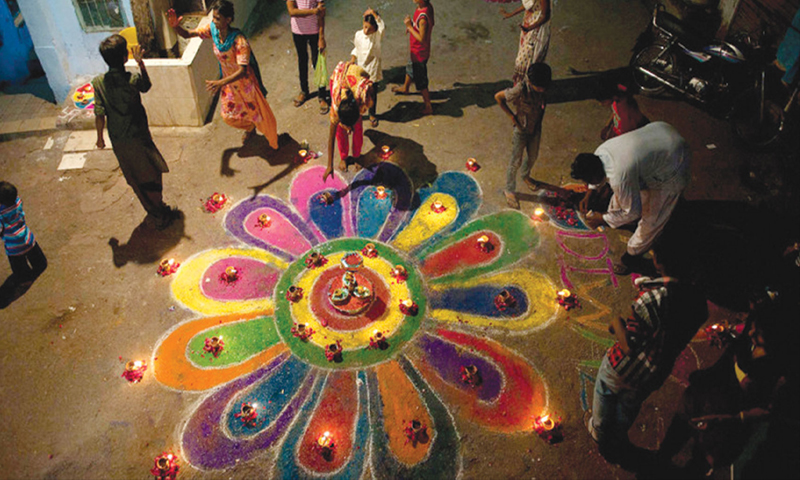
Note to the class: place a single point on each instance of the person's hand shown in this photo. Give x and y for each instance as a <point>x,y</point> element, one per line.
<point>173,19</point>
<point>321,44</point>
<point>101,143</point>
<point>138,53</point>
<point>213,86</point>
<point>505,14</point>
<point>516,122</point>
<point>328,173</point>
<point>605,133</point>
<point>583,205</point>
<point>320,8</point>
<point>407,21</point>
<point>594,220</point>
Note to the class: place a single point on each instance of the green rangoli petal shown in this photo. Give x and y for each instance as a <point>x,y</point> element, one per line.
<point>242,341</point>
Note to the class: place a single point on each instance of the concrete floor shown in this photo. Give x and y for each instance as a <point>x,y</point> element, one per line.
<point>68,415</point>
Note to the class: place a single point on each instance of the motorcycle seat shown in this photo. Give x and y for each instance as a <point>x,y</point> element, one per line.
<point>688,36</point>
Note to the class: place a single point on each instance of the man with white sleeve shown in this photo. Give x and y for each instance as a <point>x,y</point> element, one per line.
<point>647,170</point>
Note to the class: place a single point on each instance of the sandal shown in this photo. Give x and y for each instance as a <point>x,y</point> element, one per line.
<point>300,99</point>
<point>373,121</point>
<point>532,184</point>
<point>511,200</point>
<point>324,108</point>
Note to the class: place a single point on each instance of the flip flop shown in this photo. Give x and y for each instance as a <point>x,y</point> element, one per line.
<point>532,184</point>
<point>324,108</point>
<point>300,99</point>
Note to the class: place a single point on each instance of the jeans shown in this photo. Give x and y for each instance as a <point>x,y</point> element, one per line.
<point>519,143</point>
<point>614,408</point>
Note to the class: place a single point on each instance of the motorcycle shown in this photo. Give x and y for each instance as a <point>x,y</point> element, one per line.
<point>671,55</point>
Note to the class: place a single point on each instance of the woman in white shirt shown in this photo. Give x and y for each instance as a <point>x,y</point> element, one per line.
<point>367,53</point>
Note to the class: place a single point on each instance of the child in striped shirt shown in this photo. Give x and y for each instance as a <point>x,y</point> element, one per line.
<point>24,254</point>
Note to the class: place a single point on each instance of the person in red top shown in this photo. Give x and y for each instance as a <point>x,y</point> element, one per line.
<point>625,113</point>
<point>419,37</point>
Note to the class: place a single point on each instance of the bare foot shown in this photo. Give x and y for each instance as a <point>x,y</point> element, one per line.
<point>400,90</point>
<point>427,111</point>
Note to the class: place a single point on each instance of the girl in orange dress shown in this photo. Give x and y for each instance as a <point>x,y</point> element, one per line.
<point>242,101</point>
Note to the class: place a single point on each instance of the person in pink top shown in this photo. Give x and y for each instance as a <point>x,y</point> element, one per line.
<point>419,38</point>
<point>625,113</point>
<point>308,32</point>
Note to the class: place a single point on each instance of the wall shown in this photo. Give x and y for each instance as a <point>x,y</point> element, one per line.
<point>15,45</point>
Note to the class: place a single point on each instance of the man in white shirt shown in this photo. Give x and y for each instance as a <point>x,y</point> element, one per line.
<point>647,169</point>
<point>367,54</point>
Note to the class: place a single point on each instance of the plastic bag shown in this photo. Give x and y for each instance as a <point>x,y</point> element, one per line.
<point>321,71</point>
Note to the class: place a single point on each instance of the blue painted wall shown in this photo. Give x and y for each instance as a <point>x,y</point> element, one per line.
<point>15,50</point>
<point>67,53</point>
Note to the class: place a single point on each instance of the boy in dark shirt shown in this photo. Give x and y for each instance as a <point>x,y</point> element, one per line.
<point>117,98</point>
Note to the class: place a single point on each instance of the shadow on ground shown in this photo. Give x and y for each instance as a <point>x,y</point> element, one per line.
<point>286,154</point>
<point>407,154</point>
<point>146,244</point>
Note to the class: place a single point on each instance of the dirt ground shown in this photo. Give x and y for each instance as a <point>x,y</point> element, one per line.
<point>67,414</point>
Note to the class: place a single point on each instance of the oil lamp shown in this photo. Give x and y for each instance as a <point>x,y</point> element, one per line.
<point>315,259</point>
<point>567,299</point>
<point>369,250</point>
<point>538,214</point>
<point>378,341</point>
<point>134,371</point>
<point>380,192</point>
<point>470,375</point>
<point>302,331</point>
<point>230,275</point>
<point>504,300</point>
<point>484,244</point>
<point>326,445</point>
<point>548,427</point>
<point>386,152</point>
<point>408,307</point>
<point>326,198</point>
<point>473,165</point>
<point>294,294</point>
<point>416,432</point>
<point>264,221</point>
<point>214,346</point>
<point>248,414</point>
<point>399,273</point>
<point>303,153</point>
<point>166,467</point>
<point>333,352</point>
<point>168,267</point>
<point>352,261</point>
<point>215,202</point>
<point>438,207</point>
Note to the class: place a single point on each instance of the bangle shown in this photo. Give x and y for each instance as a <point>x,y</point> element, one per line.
<point>741,416</point>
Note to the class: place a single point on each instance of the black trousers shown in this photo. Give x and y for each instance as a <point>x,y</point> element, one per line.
<point>29,265</point>
<point>302,44</point>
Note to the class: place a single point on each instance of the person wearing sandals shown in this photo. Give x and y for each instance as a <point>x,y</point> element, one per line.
<point>351,97</point>
<point>647,169</point>
<point>242,102</point>
<point>528,99</point>
<point>367,54</point>
<point>308,32</point>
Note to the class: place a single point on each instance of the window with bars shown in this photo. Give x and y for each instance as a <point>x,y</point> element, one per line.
<point>99,15</point>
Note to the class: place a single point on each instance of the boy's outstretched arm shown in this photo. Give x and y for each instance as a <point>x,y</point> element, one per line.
<point>511,14</point>
<point>175,22</point>
<point>331,136</point>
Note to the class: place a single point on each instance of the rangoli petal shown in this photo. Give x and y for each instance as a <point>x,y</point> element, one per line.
<point>370,212</point>
<point>305,193</point>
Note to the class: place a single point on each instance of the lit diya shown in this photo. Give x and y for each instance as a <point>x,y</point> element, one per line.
<point>230,275</point>
<point>504,300</point>
<point>166,467</point>
<point>399,273</point>
<point>326,198</point>
<point>386,152</point>
<point>333,352</point>
<point>408,307</point>
<point>568,300</point>
<point>369,250</point>
<point>215,202</point>
<point>168,267</point>
<point>438,207</point>
<point>548,427</point>
<point>380,192</point>
<point>538,214</point>
<point>294,294</point>
<point>303,155</point>
<point>326,445</point>
<point>302,331</point>
<point>134,371</point>
<point>352,261</point>
<point>484,245</point>
<point>470,375</point>
<point>248,414</point>
<point>214,346</point>
<point>264,221</point>
<point>721,334</point>
<point>473,165</point>
<point>378,341</point>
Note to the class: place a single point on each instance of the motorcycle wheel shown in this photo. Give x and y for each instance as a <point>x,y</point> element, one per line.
<point>648,57</point>
<point>749,126</point>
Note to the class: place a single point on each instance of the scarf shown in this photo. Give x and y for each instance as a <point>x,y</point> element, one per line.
<point>225,46</point>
